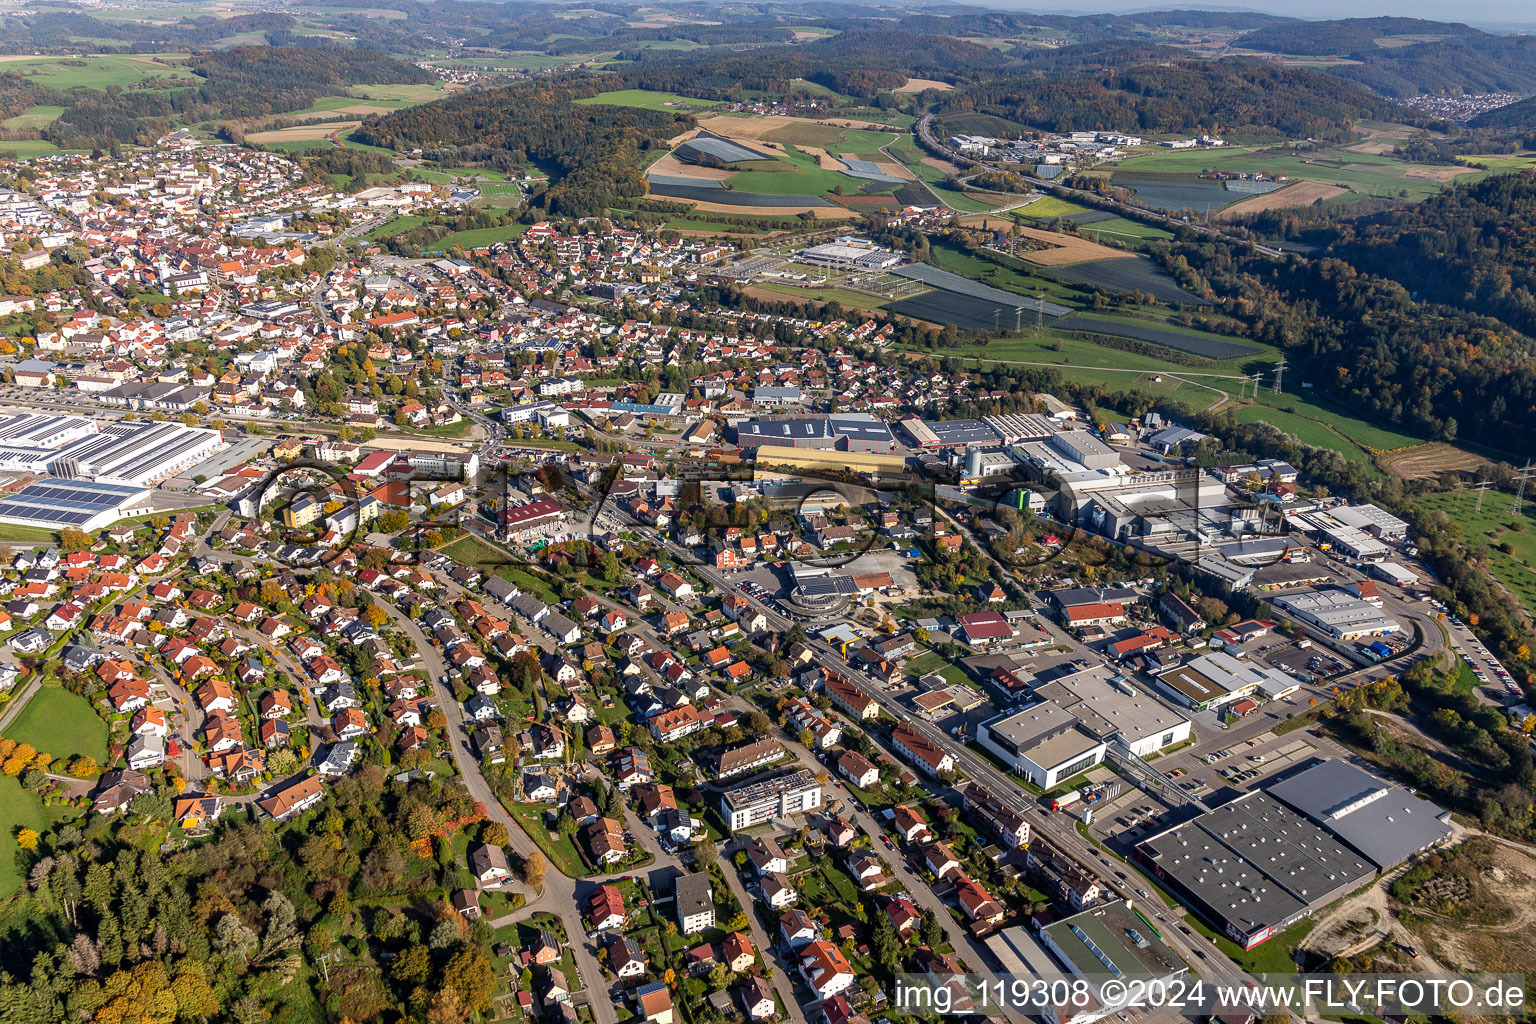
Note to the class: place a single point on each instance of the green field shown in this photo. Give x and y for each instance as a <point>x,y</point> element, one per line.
<point>1369,173</point>
<point>1124,229</point>
<point>794,173</point>
<point>20,809</point>
<point>473,551</point>
<point>19,534</point>
<point>407,94</point>
<point>395,226</point>
<point>1015,278</point>
<point>848,297</point>
<point>33,117</point>
<point>482,236</point>
<point>300,146</point>
<point>906,150</point>
<point>60,723</point>
<point>648,100</point>
<point>95,72</point>
<point>561,852</point>
<point>1491,528</point>
<point>482,173</point>
<point>1501,163</point>
<point>350,143</point>
<point>24,148</point>
<point>519,61</point>
<point>1047,207</point>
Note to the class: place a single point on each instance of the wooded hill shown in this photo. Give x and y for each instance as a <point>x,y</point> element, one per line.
<point>1221,97</point>
<point>591,150</point>
<point>243,82</point>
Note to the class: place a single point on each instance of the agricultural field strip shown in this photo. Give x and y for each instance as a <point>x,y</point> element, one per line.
<point>952,282</point>
<point>1210,348</point>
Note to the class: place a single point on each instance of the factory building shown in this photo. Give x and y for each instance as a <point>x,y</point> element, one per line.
<point>1386,823</point>
<point>1085,449</point>
<point>1104,944</point>
<point>1253,866</point>
<point>137,454</point>
<point>1338,614</point>
<point>1268,858</point>
<point>1044,742</point>
<point>1218,679</point>
<point>848,253</point>
<point>849,432</point>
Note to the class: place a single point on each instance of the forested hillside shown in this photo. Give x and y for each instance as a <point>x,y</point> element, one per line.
<point>1473,246</point>
<point>1344,35</point>
<point>1521,114</point>
<point>592,150</point>
<point>859,63</point>
<point>1440,370</point>
<point>247,81</point>
<point>1233,96</point>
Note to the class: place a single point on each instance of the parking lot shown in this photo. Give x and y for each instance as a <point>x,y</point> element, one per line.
<point>1308,664</point>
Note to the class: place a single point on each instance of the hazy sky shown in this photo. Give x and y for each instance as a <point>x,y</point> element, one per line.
<point>1484,13</point>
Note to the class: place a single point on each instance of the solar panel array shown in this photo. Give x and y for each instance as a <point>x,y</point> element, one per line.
<point>932,275</point>
<point>681,182</point>
<point>64,502</point>
<point>720,149</point>
<point>868,170</point>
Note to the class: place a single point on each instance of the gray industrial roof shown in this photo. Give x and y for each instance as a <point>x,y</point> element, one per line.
<point>1256,862</point>
<point>860,426</point>
<point>1385,822</point>
<point>962,431</point>
<point>1112,939</point>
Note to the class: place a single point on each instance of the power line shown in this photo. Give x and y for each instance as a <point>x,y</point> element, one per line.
<point>1524,475</point>
<point>1482,489</point>
<point>1279,375</point>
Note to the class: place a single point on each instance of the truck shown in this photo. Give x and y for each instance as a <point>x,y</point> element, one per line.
<point>1072,796</point>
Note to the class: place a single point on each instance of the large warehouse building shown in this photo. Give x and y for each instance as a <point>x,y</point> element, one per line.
<point>1385,822</point>
<point>81,504</point>
<point>1218,679</point>
<point>1338,613</point>
<point>135,454</point>
<point>849,432</point>
<point>1268,858</point>
<point>1253,866</point>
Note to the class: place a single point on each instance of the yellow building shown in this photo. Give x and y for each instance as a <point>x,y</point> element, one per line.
<point>818,458</point>
<point>302,512</point>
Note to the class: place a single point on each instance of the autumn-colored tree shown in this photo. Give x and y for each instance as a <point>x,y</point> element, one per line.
<point>375,616</point>
<point>195,998</point>
<point>494,834</point>
<point>71,539</point>
<point>27,838</point>
<point>82,767</point>
<point>469,973</point>
<point>533,870</point>
<point>139,996</point>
